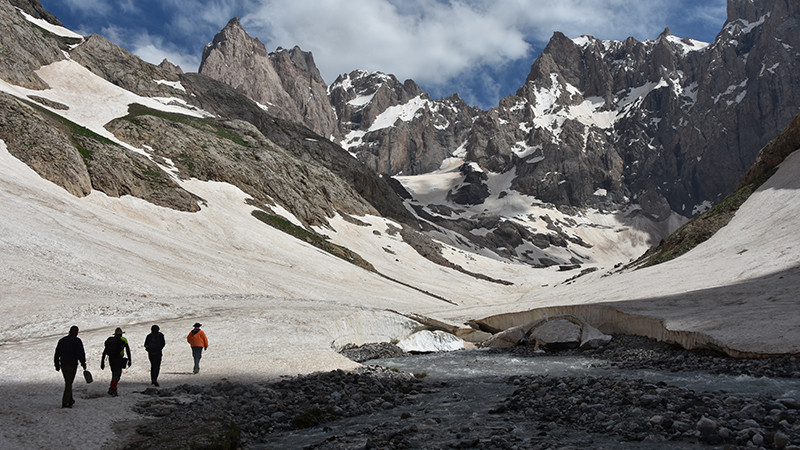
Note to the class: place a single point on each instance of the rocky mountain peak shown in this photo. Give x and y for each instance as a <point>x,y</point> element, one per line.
<point>170,67</point>
<point>753,10</point>
<point>287,84</point>
<point>597,122</point>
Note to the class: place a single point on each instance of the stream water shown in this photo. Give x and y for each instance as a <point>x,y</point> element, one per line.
<point>465,388</point>
<point>470,364</point>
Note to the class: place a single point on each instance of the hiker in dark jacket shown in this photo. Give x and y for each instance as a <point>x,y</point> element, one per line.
<point>115,347</point>
<point>199,342</point>
<point>154,343</point>
<point>69,352</point>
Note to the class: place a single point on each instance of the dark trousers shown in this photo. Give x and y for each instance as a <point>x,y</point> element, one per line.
<point>116,365</point>
<point>155,365</point>
<point>197,353</point>
<point>69,376</point>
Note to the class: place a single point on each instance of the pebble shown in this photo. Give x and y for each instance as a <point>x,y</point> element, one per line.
<point>538,411</point>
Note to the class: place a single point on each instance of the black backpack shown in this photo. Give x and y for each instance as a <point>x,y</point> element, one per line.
<point>114,346</point>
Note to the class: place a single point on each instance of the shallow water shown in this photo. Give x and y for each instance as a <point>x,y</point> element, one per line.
<point>483,363</point>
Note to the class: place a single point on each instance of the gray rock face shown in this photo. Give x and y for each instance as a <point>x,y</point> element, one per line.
<point>670,123</point>
<point>25,47</point>
<point>34,9</point>
<point>661,122</point>
<point>395,127</point>
<point>286,83</point>
<point>127,71</point>
<point>80,162</point>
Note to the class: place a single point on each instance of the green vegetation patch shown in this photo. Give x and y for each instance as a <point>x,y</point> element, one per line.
<point>76,132</point>
<point>72,127</point>
<point>314,239</point>
<point>136,110</point>
<point>85,153</point>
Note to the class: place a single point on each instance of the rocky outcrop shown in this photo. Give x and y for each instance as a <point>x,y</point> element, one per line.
<point>80,161</point>
<point>395,127</point>
<point>670,123</point>
<point>169,67</point>
<point>125,70</point>
<point>236,152</point>
<point>550,333</point>
<point>285,83</point>
<point>34,9</point>
<point>25,47</point>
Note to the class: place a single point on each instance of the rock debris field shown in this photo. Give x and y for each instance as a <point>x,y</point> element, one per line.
<point>376,407</point>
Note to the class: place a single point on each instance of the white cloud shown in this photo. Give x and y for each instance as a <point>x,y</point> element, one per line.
<point>432,44</point>
<point>155,54</point>
<point>152,49</point>
<point>434,41</point>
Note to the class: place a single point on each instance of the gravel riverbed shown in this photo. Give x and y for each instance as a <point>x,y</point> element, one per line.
<point>376,407</point>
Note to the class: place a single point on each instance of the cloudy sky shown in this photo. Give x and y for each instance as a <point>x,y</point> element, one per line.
<point>482,49</point>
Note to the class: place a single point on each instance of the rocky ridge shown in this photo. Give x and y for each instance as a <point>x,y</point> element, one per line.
<point>79,160</point>
<point>636,129</point>
<point>597,123</point>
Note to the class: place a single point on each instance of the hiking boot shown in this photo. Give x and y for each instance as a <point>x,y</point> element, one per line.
<point>195,370</point>
<point>112,393</point>
<point>155,383</point>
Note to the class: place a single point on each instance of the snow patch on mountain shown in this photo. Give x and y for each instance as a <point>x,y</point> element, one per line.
<point>405,112</point>
<point>55,29</point>
<point>173,84</point>
<point>687,44</point>
<point>69,83</point>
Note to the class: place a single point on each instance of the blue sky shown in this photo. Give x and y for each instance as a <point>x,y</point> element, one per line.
<point>481,49</point>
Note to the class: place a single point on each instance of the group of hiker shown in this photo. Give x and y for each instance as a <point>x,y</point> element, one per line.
<point>70,353</point>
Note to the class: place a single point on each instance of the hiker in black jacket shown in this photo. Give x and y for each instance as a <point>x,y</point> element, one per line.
<point>69,352</point>
<point>115,347</point>
<point>154,343</point>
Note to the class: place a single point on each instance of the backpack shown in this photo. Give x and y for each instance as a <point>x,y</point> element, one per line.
<point>114,346</point>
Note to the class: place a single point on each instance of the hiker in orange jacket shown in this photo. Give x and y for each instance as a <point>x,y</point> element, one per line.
<point>199,342</point>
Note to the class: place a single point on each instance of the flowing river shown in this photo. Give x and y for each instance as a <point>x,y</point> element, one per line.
<point>471,364</point>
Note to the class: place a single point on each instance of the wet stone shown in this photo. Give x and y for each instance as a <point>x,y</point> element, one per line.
<point>374,407</point>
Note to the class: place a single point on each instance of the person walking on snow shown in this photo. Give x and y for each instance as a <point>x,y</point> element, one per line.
<point>154,343</point>
<point>199,342</point>
<point>69,352</point>
<point>115,347</point>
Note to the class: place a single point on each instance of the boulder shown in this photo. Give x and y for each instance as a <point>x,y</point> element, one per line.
<point>557,333</point>
<point>553,332</point>
<point>591,337</point>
